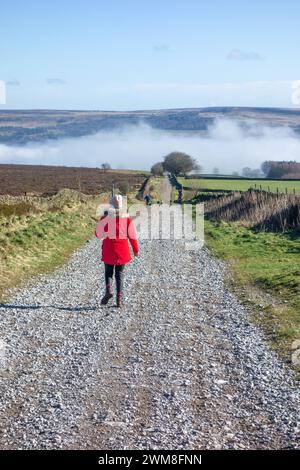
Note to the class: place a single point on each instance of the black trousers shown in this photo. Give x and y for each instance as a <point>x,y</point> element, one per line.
<point>119,274</point>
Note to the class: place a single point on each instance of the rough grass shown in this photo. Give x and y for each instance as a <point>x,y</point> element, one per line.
<point>41,238</point>
<point>240,185</point>
<point>266,269</point>
<point>17,209</point>
<point>256,209</point>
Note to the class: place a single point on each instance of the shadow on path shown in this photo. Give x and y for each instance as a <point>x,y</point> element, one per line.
<point>37,307</point>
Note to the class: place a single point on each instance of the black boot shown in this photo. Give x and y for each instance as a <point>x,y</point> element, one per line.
<point>108,295</point>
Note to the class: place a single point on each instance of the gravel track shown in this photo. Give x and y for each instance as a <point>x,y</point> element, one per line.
<point>179,367</point>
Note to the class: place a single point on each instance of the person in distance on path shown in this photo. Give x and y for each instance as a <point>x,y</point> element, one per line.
<point>116,228</point>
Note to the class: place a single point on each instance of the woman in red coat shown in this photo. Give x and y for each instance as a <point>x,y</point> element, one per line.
<point>116,229</point>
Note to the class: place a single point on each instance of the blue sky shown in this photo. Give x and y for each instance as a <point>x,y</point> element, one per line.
<point>124,55</point>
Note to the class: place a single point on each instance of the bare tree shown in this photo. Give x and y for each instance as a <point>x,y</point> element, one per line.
<point>274,169</point>
<point>265,167</point>
<point>251,173</point>
<point>105,166</point>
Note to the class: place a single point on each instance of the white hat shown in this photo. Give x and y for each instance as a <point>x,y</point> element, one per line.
<point>116,201</point>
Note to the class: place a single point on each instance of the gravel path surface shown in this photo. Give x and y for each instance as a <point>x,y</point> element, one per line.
<point>179,367</point>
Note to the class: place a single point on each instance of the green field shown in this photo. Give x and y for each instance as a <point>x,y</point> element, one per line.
<point>265,268</point>
<point>241,185</point>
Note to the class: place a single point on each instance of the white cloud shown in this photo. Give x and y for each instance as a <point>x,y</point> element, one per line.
<point>226,146</point>
<point>237,54</point>
<point>55,81</point>
<point>2,92</point>
<point>13,82</point>
<point>161,48</point>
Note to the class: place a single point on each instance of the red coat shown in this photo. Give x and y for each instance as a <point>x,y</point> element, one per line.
<point>116,231</point>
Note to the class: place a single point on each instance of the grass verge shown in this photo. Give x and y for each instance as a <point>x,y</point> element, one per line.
<point>41,240</point>
<point>265,271</point>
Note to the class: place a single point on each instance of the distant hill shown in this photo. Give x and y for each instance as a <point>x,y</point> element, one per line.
<point>20,127</point>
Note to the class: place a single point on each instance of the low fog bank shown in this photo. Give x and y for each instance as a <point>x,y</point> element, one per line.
<point>227,145</point>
